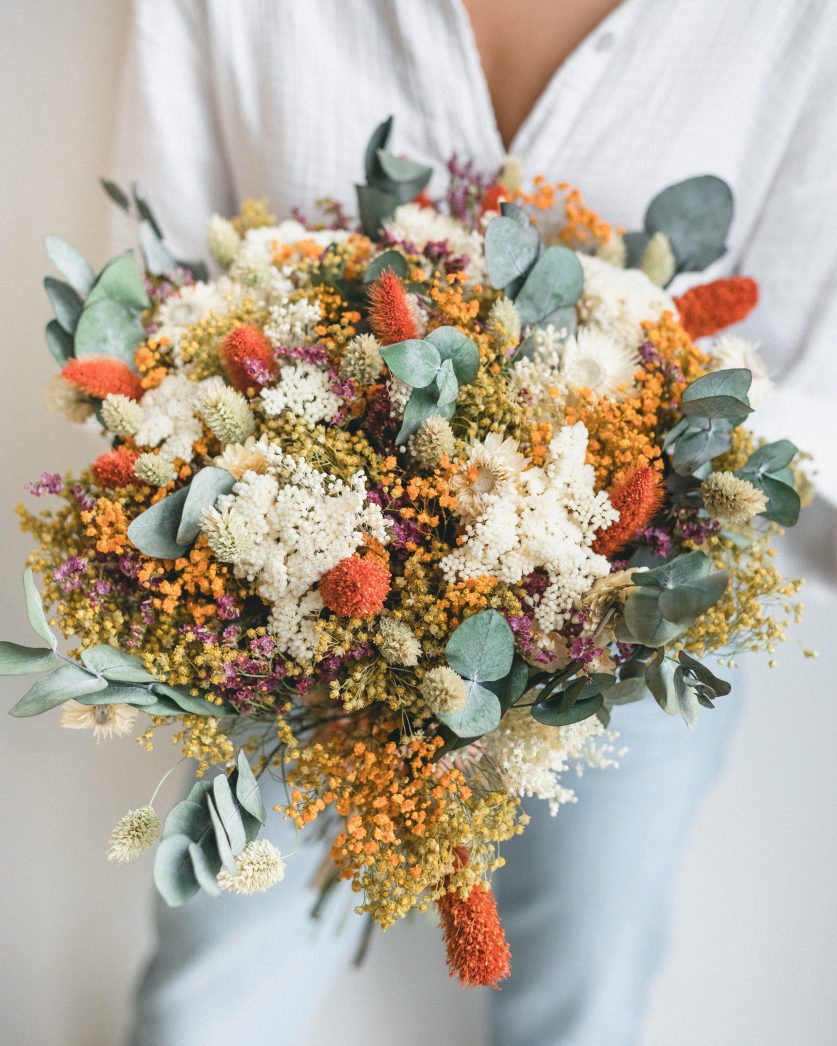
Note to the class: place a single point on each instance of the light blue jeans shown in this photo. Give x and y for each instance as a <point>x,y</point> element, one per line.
<point>584,900</point>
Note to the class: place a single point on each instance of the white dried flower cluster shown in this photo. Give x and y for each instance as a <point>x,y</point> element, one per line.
<point>190,304</point>
<point>65,398</point>
<point>171,415</point>
<point>223,240</point>
<point>154,470</point>
<point>538,378</point>
<point>299,523</point>
<point>121,414</point>
<point>227,414</point>
<point>730,499</point>
<point>504,321</point>
<point>541,517</point>
<point>444,690</point>
<point>732,351</point>
<point>134,834</point>
<point>399,393</point>
<point>397,642</point>
<point>530,758</point>
<point>303,389</point>
<point>362,361</point>
<point>292,322</point>
<point>433,440</point>
<point>617,301</point>
<point>103,720</point>
<point>260,866</point>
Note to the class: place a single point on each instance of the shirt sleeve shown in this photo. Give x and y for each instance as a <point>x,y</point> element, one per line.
<point>793,255</point>
<point>167,133</point>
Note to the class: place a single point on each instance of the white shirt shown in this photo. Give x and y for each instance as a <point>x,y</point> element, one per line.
<point>227,99</point>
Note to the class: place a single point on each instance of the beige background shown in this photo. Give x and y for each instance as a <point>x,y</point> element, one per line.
<point>753,948</point>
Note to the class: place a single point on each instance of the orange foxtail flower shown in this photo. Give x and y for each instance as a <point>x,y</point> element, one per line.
<point>99,376</point>
<point>249,357</point>
<point>478,952</point>
<point>493,196</point>
<point>356,587</point>
<point>708,309</point>
<point>389,310</point>
<point>116,467</point>
<point>637,496</point>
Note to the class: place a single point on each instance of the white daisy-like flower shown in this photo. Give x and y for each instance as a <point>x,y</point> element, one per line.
<point>491,468</point>
<point>103,720</point>
<point>731,351</point>
<point>191,303</point>
<point>617,301</point>
<point>136,832</point>
<point>239,458</point>
<point>593,360</point>
<point>260,866</point>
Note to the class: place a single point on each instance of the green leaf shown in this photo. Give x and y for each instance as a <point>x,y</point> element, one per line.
<point>204,490</point>
<point>421,405</point>
<point>66,304</point>
<point>512,686</point>
<point>378,140</point>
<point>700,672</point>
<point>158,260</point>
<point>70,264</point>
<point>116,194</point>
<point>555,282</point>
<point>416,362</point>
<point>690,599</point>
<point>187,701</point>
<point>174,873</point>
<point>688,566</point>
<point>771,458</point>
<point>482,647</point>
<point>783,503</point>
<point>551,715</point>
<point>247,790</point>
<point>645,622</point>
<point>17,660</point>
<point>63,683</point>
<point>144,208</point>
<point>222,841</point>
<point>121,280</point>
<point>702,440</point>
<point>453,345</point>
<point>695,215</point>
<point>447,387</point>
<point>511,248</point>
<point>190,817</point>
<point>227,809</point>
<point>115,664</point>
<point>107,328</point>
<point>375,207</point>
<point>121,694</point>
<point>517,214</point>
<point>481,714</point>
<point>626,691</point>
<point>163,707</point>
<point>401,176</point>
<point>203,872</point>
<point>154,532</point>
<point>59,341</point>
<point>721,394</point>
<point>665,681</point>
<point>35,609</point>
<point>394,261</point>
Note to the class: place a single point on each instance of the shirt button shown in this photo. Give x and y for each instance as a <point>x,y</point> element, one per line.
<point>605,42</point>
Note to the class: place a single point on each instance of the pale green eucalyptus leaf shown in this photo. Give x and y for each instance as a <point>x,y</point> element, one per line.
<point>247,790</point>
<point>695,215</point>
<point>481,714</point>
<point>392,261</point>
<point>720,394</point>
<point>204,490</point>
<point>115,664</point>
<point>222,841</point>
<point>35,609</point>
<point>60,343</point>
<point>70,264</point>
<point>447,387</point>
<point>158,259</point>
<point>107,328</point>
<point>17,660</point>
<point>227,809</point>
<point>511,248</point>
<point>455,346</point>
<point>122,281</point>
<point>154,532</point>
<point>692,598</point>
<point>63,683</point>
<point>203,871</point>
<point>552,715</point>
<point>645,622</point>
<point>65,302</point>
<point>415,362</point>
<point>482,647</point>
<point>174,874</point>
<point>555,282</point>
<point>121,694</point>
<point>421,405</point>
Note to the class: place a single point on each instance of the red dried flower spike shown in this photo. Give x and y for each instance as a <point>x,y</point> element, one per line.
<point>710,308</point>
<point>116,468</point>
<point>100,376</point>
<point>389,311</point>
<point>478,952</point>
<point>637,496</point>
<point>249,357</point>
<point>493,196</point>
<point>356,587</point>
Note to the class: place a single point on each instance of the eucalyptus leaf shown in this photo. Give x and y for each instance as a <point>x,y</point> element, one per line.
<point>783,503</point>
<point>482,647</point>
<point>70,264</point>
<point>17,660</point>
<point>206,487</point>
<point>115,664</point>
<point>187,701</point>
<point>626,691</point>
<point>517,214</point>
<point>551,715</point>
<point>375,206</point>
<point>378,140</point>
<point>163,707</point>
<point>447,387</point>
<point>511,249</point>
<point>690,599</point>
<point>645,622</point>
<point>227,809</point>
<point>247,790</point>
<point>392,261</point>
<point>59,341</point>
<point>702,440</point>
<point>457,347</point>
<point>203,872</point>
<point>688,566</point>
<point>665,681</point>
<point>699,671</point>
<point>63,683</point>
<point>121,694</point>
<point>555,282</point>
<point>174,874</point>
<point>154,532</point>
<point>222,840</point>
<point>144,208</point>
<point>695,215</point>
<point>35,610</point>
<point>403,176</point>
<point>122,281</point>
<point>720,394</point>
<point>107,328</point>
<point>414,361</point>
<point>421,405</point>
<point>481,714</point>
<point>158,259</point>
<point>771,458</point>
<point>65,302</point>
<point>189,817</point>
<point>512,686</point>
<point>116,194</point>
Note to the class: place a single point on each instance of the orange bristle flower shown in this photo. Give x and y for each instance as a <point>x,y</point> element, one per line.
<point>710,308</point>
<point>493,196</point>
<point>249,358</point>
<point>100,376</point>
<point>116,468</point>
<point>637,496</point>
<point>389,310</point>
<point>478,952</point>
<point>356,587</point>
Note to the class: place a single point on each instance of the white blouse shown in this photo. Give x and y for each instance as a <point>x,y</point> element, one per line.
<point>226,99</point>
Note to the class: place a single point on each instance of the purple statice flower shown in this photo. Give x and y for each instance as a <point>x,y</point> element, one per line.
<point>263,646</point>
<point>231,635</point>
<point>535,584</point>
<point>147,612</point>
<point>201,633</point>
<point>129,566</point>
<point>521,626</point>
<point>227,610</point>
<point>315,354</point>
<point>46,483</point>
<point>623,652</point>
<point>465,189</point>
<point>649,355</point>
<point>690,526</point>
<point>69,575</point>
<point>584,649</point>
<point>256,371</point>
<point>659,541</point>
<point>298,216</point>
<point>86,502</point>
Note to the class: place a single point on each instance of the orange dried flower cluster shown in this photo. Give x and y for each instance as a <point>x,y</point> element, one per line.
<point>247,353</point>
<point>116,467</point>
<point>638,497</point>
<point>101,376</point>
<point>581,225</point>
<point>477,949</point>
<point>709,308</point>
<point>356,587</point>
